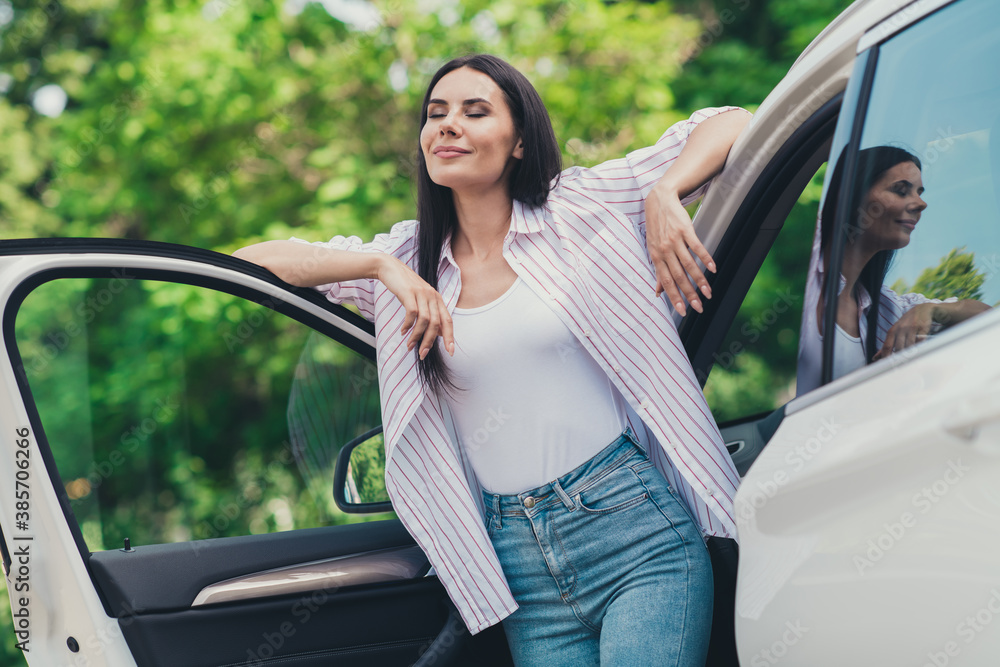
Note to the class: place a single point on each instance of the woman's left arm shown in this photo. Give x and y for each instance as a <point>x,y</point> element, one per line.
<point>670,235</point>
<point>915,324</point>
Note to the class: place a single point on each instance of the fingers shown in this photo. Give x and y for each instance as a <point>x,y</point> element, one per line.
<point>691,267</point>
<point>427,318</point>
<point>447,330</point>
<point>665,284</point>
<point>889,346</point>
<point>681,281</point>
<point>898,339</point>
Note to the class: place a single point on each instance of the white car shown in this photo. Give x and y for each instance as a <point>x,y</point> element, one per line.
<point>154,512</point>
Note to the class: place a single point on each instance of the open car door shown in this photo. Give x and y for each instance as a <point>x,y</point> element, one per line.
<point>171,419</point>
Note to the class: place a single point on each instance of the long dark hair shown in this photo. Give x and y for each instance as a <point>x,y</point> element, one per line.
<point>872,163</point>
<point>530,179</point>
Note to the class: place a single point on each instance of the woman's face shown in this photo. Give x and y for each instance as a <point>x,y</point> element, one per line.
<point>892,208</point>
<point>469,141</point>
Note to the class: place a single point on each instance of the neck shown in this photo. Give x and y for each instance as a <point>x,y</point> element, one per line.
<point>855,260</point>
<point>483,221</point>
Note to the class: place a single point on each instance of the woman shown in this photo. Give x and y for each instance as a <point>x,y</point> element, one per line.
<point>873,321</point>
<point>526,451</point>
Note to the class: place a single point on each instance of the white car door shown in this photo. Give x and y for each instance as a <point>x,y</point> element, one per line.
<point>171,418</point>
<point>869,525</point>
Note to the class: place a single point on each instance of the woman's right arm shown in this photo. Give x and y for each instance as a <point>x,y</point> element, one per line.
<point>309,265</point>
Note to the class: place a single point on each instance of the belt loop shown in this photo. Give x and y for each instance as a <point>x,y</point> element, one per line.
<point>496,510</point>
<point>563,496</point>
<point>635,441</point>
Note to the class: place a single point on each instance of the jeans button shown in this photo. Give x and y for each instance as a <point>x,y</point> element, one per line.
<point>529,502</point>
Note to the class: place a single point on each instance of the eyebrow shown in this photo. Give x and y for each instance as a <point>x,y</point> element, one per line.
<point>468,102</point>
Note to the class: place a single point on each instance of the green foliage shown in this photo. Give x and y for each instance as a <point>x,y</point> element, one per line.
<point>368,471</point>
<point>745,47</point>
<point>756,365</point>
<point>221,123</point>
<point>955,275</point>
<point>212,416</point>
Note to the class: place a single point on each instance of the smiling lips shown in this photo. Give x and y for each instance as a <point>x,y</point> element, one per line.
<point>447,152</point>
<point>909,223</point>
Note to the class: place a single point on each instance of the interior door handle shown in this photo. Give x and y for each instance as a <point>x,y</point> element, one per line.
<point>380,565</point>
<point>972,415</point>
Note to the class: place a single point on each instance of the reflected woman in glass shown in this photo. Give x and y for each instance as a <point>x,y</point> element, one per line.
<point>873,321</point>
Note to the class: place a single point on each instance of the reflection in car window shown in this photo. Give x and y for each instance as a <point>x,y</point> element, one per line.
<point>176,412</point>
<point>922,234</point>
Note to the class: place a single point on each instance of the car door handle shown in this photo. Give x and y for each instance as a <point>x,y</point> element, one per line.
<point>970,416</point>
<point>380,565</point>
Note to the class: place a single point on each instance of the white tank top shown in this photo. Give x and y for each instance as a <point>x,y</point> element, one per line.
<point>532,403</point>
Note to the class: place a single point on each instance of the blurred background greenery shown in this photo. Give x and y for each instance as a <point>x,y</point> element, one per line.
<point>224,122</point>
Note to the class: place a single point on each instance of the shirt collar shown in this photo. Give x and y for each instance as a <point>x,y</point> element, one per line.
<point>524,219</point>
<point>446,252</point>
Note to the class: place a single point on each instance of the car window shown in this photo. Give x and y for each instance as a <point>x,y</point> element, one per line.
<point>176,412</point>
<point>921,234</point>
<point>754,368</point>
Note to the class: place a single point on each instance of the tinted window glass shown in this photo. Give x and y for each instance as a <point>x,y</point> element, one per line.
<point>922,240</point>
<point>177,412</point>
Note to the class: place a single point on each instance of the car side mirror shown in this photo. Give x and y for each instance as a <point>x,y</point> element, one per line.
<point>359,478</point>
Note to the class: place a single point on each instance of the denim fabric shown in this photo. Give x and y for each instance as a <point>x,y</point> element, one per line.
<point>606,565</point>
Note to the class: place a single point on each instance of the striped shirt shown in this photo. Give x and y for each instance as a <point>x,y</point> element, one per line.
<point>585,249</point>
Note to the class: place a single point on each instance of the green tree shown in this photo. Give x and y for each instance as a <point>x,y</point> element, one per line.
<point>954,276</point>
<point>220,123</point>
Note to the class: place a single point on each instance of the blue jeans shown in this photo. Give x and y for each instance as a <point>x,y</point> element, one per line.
<point>606,565</point>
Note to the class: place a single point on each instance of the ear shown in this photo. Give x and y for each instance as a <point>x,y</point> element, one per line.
<point>518,150</point>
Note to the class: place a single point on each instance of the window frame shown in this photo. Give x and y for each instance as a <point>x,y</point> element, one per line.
<point>752,232</point>
<point>860,88</point>
<point>273,300</point>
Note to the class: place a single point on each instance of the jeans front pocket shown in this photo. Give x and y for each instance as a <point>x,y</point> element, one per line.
<point>619,490</point>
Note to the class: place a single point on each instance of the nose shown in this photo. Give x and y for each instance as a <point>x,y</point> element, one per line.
<point>918,204</point>
<point>449,125</point>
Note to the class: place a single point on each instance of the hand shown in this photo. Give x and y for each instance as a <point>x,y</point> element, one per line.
<point>671,239</point>
<point>910,329</point>
<point>427,315</point>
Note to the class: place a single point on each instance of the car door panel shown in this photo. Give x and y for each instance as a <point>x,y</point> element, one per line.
<point>137,606</point>
<point>162,577</point>
<point>863,500</point>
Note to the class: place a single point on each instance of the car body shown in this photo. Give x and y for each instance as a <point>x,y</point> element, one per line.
<point>867,524</point>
